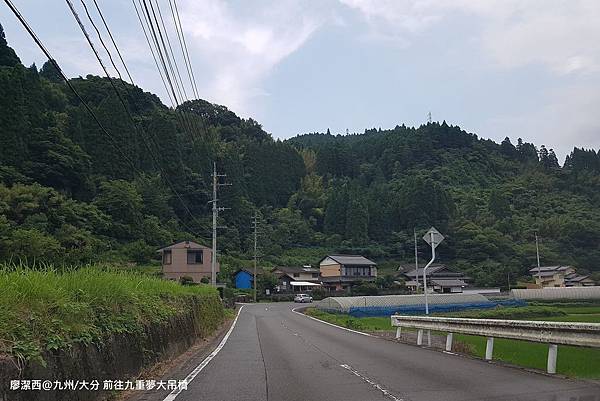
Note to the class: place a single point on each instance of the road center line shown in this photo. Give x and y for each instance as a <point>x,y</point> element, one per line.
<point>384,391</point>
<point>206,360</point>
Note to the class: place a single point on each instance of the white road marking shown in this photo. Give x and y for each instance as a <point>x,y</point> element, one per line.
<point>206,360</point>
<point>331,324</point>
<point>385,392</point>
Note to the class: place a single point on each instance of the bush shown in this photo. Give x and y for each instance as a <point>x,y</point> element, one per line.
<point>365,289</point>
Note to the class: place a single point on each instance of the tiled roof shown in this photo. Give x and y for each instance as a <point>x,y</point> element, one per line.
<point>350,260</point>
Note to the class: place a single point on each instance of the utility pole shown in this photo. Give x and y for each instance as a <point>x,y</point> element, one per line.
<point>537,252</point>
<point>215,214</point>
<point>416,260</point>
<point>255,226</point>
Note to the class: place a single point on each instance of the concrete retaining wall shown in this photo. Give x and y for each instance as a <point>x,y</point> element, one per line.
<point>120,357</point>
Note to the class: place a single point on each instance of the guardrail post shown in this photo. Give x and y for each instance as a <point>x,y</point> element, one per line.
<point>489,349</point>
<point>449,338</point>
<point>420,337</point>
<point>398,332</point>
<point>552,352</point>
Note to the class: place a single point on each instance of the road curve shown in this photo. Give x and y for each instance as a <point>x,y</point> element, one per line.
<point>276,355</point>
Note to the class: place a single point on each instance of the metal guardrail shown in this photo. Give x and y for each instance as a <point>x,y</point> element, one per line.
<point>551,333</point>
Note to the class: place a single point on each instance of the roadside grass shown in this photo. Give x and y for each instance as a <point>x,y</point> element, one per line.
<point>579,362</point>
<point>363,323</point>
<point>46,309</point>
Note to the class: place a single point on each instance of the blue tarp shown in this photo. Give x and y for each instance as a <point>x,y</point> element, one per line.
<point>374,311</point>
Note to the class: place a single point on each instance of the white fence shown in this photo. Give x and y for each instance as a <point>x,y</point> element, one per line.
<point>552,333</point>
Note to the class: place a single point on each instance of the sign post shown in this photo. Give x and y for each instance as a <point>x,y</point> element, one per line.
<point>433,238</point>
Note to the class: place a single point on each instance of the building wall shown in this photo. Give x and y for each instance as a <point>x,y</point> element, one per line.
<point>305,277</point>
<point>333,270</point>
<point>179,266</point>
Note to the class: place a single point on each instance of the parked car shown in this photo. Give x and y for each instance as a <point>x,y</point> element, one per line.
<point>302,298</point>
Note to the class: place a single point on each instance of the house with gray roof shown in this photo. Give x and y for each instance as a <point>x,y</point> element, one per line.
<point>439,279</point>
<point>559,276</point>
<point>340,272</point>
<point>296,278</point>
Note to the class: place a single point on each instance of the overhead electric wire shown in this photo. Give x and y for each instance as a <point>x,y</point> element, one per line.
<point>184,50</point>
<point>186,56</point>
<point>170,54</point>
<point>163,55</point>
<point>152,137</point>
<point>64,77</point>
<point>170,49</point>
<point>152,51</point>
<point>139,12</point>
<point>122,101</point>
<point>53,61</point>
<point>113,41</point>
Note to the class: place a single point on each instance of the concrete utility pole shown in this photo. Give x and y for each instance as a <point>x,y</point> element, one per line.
<point>255,226</point>
<point>416,260</point>
<point>537,252</point>
<point>215,214</point>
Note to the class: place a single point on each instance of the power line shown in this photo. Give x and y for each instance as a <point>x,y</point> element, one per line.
<point>122,101</point>
<point>152,137</point>
<point>183,45</point>
<point>167,66</point>
<point>186,56</point>
<point>113,42</point>
<point>53,61</point>
<point>64,77</point>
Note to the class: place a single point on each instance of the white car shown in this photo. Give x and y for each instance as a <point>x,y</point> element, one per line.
<point>302,298</point>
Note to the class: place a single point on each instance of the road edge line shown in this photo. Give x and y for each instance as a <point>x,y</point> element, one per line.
<point>330,324</point>
<point>192,375</point>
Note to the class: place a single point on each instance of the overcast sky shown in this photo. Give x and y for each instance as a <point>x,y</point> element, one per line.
<point>495,67</point>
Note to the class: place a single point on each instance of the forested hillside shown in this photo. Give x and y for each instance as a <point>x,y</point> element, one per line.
<point>72,192</point>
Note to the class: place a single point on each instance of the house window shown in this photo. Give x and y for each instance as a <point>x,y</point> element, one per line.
<point>315,275</point>
<point>296,274</point>
<point>194,257</point>
<point>167,257</point>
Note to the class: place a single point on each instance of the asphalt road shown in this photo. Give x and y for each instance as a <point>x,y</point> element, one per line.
<point>277,355</point>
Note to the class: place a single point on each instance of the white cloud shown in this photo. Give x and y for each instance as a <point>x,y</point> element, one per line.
<point>241,48</point>
<point>560,34</point>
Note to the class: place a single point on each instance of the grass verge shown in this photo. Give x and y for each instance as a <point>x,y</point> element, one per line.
<point>579,362</point>
<point>45,310</point>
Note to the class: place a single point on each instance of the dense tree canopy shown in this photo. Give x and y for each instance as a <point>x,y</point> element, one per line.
<point>70,193</point>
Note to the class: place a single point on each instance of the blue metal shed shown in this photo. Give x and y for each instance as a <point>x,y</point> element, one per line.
<point>243,280</point>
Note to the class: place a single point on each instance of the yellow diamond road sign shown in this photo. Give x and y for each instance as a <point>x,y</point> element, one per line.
<point>433,237</point>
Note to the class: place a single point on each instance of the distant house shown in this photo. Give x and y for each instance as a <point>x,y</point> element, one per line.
<point>576,280</point>
<point>340,272</point>
<point>559,276</point>
<point>186,259</point>
<point>439,279</point>
<point>296,278</point>
<point>244,279</point>
<point>551,276</point>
